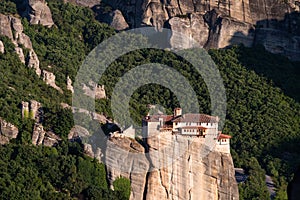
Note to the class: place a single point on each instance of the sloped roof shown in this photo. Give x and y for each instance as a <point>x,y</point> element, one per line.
<point>202,118</point>
<point>223,136</point>
<point>155,118</point>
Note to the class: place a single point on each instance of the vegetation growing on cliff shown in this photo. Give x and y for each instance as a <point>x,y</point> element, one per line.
<point>262,114</point>
<point>29,172</point>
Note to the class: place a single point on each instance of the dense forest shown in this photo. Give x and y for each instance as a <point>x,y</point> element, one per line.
<point>262,109</point>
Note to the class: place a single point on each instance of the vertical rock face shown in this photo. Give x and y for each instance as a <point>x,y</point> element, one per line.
<point>13,28</point>
<point>5,26</point>
<point>38,134</point>
<point>33,62</point>
<point>37,12</point>
<point>179,168</point>
<point>49,79</point>
<point>185,169</point>
<point>115,19</point>
<point>35,110</point>
<point>193,25</point>
<point>124,158</point>
<point>7,131</point>
<point>41,137</point>
<point>267,22</point>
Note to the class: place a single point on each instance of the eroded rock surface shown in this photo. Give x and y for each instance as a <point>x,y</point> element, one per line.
<point>178,168</point>
<point>37,12</point>
<point>185,169</point>
<point>7,131</point>
<point>217,24</point>
<point>125,157</point>
<point>41,137</point>
<point>116,20</point>
<point>12,27</point>
<point>49,79</point>
<point>94,90</point>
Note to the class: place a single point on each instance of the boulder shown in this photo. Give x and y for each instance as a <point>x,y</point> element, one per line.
<point>49,79</point>
<point>37,12</point>
<point>116,20</point>
<point>8,130</point>
<point>51,139</point>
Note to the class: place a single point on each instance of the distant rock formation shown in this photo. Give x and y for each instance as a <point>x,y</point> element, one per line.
<point>196,177</point>
<point>8,131</point>
<point>34,111</point>
<point>33,62</point>
<point>37,12</point>
<point>12,27</point>
<point>41,137</point>
<point>85,3</point>
<point>116,20</point>
<point>189,176</point>
<point>69,84</point>
<point>128,163</point>
<point>217,24</point>
<point>94,90</point>
<point>49,79</point>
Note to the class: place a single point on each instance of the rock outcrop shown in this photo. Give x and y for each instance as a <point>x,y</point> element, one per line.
<point>69,84</point>
<point>37,12</point>
<point>85,3</point>
<point>12,28</point>
<point>33,62</point>
<point>49,79</point>
<point>217,24</point>
<point>115,19</point>
<point>41,137</point>
<point>183,168</point>
<point>94,90</point>
<point>127,165</point>
<point>1,47</point>
<point>8,131</point>
<point>162,172</point>
<point>34,111</point>
<point>38,134</point>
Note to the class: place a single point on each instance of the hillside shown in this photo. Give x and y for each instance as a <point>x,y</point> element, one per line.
<point>263,110</point>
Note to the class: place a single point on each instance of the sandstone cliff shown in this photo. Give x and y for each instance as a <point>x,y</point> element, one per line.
<point>7,131</point>
<point>12,27</point>
<point>37,12</point>
<point>217,24</point>
<point>161,172</point>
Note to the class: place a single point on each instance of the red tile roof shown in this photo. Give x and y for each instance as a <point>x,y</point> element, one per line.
<point>155,118</point>
<point>223,136</point>
<point>202,118</point>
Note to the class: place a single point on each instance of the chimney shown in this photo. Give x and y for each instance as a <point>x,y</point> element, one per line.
<point>177,112</point>
<point>161,121</point>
